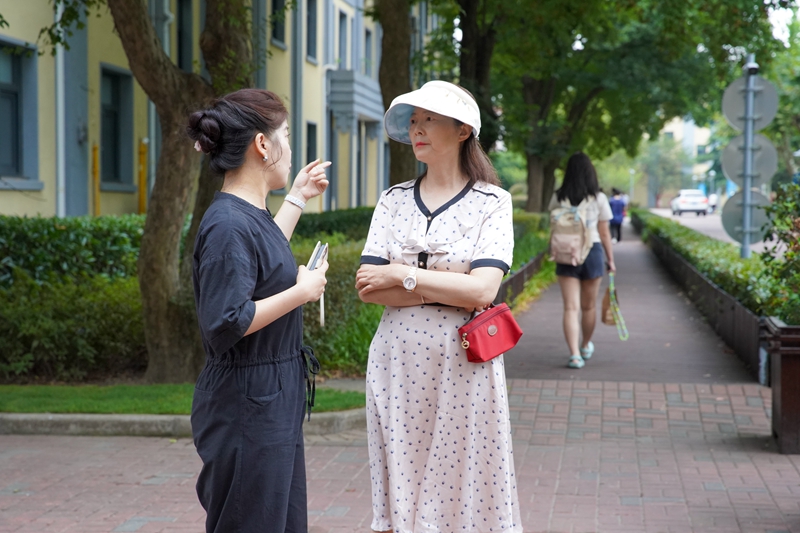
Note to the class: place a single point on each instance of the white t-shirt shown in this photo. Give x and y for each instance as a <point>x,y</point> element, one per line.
<point>597,210</point>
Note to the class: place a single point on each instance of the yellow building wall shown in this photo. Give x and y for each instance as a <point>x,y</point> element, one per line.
<point>104,47</point>
<point>25,20</point>
<point>279,65</point>
<point>372,171</point>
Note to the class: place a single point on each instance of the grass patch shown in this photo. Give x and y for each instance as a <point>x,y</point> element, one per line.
<point>134,399</point>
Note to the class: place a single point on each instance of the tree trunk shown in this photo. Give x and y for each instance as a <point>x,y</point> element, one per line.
<point>207,185</point>
<point>394,76</point>
<point>475,63</point>
<point>535,166</point>
<point>173,342</point>
<point>549,185</point>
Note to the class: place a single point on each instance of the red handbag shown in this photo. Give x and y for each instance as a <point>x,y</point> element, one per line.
<point>491,333</point>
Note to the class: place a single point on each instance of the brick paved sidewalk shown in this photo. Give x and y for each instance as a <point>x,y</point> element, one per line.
<point>670,340</point>
<point>591,456</point>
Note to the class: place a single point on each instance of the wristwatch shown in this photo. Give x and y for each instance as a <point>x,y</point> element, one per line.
<point>410,281</point>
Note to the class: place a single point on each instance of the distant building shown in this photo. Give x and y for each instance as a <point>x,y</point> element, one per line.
<point>695,142</point>
<point>79,136</point>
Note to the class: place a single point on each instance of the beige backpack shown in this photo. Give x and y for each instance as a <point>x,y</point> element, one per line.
<point>570,236</point>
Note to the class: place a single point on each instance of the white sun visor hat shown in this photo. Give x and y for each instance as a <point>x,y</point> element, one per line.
<point>438,96</point>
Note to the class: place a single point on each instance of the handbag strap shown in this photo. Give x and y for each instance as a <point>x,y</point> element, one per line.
<point>622,330</point>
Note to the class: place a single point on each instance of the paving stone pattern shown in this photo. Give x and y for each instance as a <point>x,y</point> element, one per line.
<point>670,340</point>
<point>591,456</point>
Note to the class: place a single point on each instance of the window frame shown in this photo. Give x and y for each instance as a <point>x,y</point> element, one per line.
<point>185,34</point>
<point>15,89</point>
<point>278,24</point>
<point>125,180</point>
<point>27,178</point>
<point>312,26</point>
<point>368,52</point>
<point>341,49</point>
<point>312,150</point>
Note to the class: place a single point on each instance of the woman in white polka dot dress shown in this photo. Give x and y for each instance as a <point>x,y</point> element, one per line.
<point>438,247</point>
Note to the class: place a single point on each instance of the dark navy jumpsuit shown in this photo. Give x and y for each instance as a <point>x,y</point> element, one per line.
<point>249,400</point>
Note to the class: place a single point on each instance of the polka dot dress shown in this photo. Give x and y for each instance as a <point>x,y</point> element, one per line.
<point>438,429</point>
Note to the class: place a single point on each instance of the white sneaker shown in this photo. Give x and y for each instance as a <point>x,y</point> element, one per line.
<point>613,240</point>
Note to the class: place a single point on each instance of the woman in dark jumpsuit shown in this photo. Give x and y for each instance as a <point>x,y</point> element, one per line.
<point>250,398</point>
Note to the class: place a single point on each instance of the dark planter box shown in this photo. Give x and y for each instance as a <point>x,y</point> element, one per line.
<point>515,283</point>
<point>738,326</point>
<point>784,349</point>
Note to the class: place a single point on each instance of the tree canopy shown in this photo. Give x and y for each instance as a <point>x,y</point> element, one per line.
<point>598,76</point>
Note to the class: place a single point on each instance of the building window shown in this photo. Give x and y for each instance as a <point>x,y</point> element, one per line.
<point>278,20</point>
<point>110,128</point>
<point>342,59</point>
<point>185,43</point>
<point>311,141</point>
<point>311,30</point>
<point>10,111</point>
<point>116,130</point>
<point>669,135</point>
<point>368,53</point>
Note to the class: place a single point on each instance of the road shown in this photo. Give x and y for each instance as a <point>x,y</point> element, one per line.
<point>710,225</point>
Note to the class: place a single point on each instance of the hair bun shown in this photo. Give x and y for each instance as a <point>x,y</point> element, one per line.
<point>205,129</point>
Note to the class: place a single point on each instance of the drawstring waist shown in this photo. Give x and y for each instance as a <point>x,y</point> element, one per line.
<point>311,367</point>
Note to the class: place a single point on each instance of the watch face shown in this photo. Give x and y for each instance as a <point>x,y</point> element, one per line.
<point>409,283</point>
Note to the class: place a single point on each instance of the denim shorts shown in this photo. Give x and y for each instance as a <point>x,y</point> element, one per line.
<point>592,268</point>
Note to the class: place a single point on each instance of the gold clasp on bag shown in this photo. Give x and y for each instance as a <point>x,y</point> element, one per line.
<point>464,341</point>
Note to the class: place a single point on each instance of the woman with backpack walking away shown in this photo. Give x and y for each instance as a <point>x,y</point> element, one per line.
<point>579,221</point>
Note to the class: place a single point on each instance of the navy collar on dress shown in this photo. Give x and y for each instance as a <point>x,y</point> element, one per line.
<point>425,211</point>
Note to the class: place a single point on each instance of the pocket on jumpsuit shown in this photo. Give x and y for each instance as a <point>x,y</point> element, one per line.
<point>266,419</point>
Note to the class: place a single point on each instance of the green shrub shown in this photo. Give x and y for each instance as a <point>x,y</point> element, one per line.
<point>66,330</point>
<point>343,344</point>
<point>783,258</point>
<point>747,280</point>
<point>51,249</point>
<point>55,327</point>
<point>531,236</point>
<point>353,223</point>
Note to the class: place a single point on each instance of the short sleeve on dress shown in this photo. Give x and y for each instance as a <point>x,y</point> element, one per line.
<point>604,208</point>
<point>227,277</point>
<point>495,246</point>
<point>375,251</point>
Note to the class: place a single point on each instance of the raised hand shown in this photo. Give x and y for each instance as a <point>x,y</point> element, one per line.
<point>311,181</point>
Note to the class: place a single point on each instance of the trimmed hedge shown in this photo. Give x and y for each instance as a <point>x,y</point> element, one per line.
<point>54,249</point>
<point>67,330</point>
<point>353,223</point>
<point>747,280</point>
<point>84,316</point>
<point>50,249</point>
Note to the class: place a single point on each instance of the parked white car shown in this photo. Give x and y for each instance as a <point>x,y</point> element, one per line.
<point>689,200</point>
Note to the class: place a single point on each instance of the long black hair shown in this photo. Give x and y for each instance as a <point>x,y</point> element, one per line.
<point>580,180</point>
